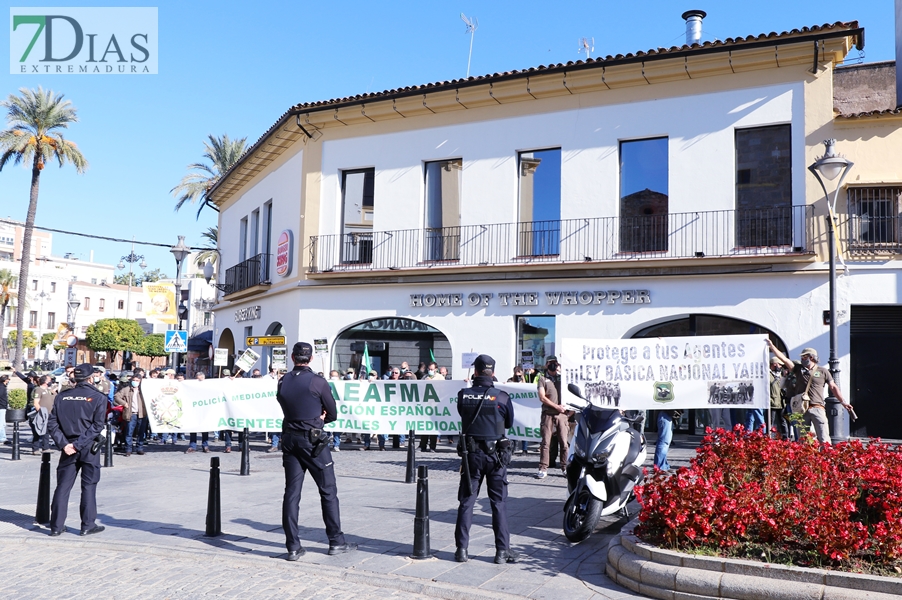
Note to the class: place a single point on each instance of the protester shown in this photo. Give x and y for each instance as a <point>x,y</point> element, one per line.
<point>553,415</point>
<point>42,398</point>
<point>134,414</point>
<point>4,406</point>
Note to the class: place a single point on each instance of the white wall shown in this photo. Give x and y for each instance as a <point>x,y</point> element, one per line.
<point>701,166</point>
<point>283,187</point>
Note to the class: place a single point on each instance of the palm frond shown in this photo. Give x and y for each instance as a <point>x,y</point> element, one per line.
<point>221,153</point>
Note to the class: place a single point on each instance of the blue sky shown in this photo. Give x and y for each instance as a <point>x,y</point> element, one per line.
<point>235,67</point>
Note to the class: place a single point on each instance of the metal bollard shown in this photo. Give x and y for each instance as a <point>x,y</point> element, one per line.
<point>421,548</point>
<point>16,442</point>
<point>42,512</point>
<point>411,458</point>
<point>245,454</point>
<point>214,516</point>
<point>108,446</point>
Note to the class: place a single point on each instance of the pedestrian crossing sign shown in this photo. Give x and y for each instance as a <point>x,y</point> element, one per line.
<point>176,341</point>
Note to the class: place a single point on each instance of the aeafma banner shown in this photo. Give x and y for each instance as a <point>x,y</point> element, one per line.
<point>391,407</point>
<point>728,371</point>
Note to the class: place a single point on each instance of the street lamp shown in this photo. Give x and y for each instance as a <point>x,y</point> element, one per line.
<point>180,251</point>
<point>131,259</point>
<point>831,166</point>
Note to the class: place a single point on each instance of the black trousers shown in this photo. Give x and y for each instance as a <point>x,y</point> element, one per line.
<point>483,466</point>
<point>66,472</point>
<point>297,460</point>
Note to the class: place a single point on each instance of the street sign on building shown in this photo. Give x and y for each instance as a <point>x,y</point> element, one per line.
<point>221,357</point>
<point>265,340</point>
<point>176,341</point>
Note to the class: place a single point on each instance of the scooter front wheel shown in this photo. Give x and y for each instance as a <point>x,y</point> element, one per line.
<point>581,516</point>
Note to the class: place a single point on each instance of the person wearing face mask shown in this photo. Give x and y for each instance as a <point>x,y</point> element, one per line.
<point>133,413</point>
<point>810,379</point>
<point>553,413</point>
<point>428,443</point>
<point>777,402</point>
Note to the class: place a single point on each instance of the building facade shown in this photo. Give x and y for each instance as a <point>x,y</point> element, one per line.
<point>657,194</point>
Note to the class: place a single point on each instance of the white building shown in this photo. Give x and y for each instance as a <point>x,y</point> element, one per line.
<point>657,194</point>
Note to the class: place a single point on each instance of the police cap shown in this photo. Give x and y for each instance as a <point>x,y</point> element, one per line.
<point>483,362</point>
<point>83,371</point>
<point>302,350</point>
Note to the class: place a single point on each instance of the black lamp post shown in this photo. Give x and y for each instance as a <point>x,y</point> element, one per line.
<point>830,166</point>
<point>180,251</point>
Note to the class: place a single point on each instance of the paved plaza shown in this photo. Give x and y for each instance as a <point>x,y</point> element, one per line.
<point>154,506</point>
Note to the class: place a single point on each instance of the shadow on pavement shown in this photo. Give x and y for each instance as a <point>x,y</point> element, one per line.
<point>18,519</point>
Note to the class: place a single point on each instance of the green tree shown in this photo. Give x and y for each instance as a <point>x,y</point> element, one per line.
<point>211,245</point>
<point>113,336</point>
<point>222,153</point>
<point>7,295</point>
<point>29,339</point>
<point>139,278</point>
<point>47,340</point>
<point>152,346</point>
<point>35,119</point>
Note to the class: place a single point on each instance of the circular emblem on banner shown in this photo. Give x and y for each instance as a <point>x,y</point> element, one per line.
<point>166,408</point>
<point>283,254</point>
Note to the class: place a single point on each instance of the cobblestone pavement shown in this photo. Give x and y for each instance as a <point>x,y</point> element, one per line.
<point>154,547</point>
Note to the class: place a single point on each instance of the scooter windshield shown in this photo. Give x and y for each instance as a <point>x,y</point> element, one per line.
<point>601,419</point>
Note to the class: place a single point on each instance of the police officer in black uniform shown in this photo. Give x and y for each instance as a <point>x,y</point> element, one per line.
<point>78,417</point>
<point>307,404</point>
<point>486,413</point>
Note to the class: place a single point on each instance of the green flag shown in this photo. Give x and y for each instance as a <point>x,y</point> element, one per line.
<point>432,356</point>
<point>366,360</point>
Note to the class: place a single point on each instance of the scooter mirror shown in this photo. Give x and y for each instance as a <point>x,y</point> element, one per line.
<point>574,389</point>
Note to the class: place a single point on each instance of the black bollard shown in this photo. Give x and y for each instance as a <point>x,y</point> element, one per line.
<point>421,519</point>
<point>16,441</point>
<point>245,454</point>
<point>214,517</point>
<point>42,512</point>
<point>108,446</point>
<point>411,458</point>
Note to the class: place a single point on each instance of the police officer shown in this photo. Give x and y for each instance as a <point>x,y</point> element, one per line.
<point>485,415</point>
<point>77,418</point>
<point>307,403</point>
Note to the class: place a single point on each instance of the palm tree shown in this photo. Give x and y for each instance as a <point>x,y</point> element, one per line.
<point>222,153</point>
<point>211,237</point>
<point>35,118</point>
<point>7,284</point>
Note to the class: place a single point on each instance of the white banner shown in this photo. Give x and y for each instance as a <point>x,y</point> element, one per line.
<point>390,407</point>
<point>725,371</point>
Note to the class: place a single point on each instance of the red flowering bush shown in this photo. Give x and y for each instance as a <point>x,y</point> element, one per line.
<point>833,503</point>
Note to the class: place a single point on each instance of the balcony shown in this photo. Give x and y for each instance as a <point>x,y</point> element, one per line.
<point>723,233</point>
<point>247,277</point>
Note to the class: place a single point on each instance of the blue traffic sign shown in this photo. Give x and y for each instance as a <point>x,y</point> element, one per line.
<point>176,341</point>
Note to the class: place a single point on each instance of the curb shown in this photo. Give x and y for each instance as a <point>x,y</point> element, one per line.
<point>671,575</point>
<point>403,583</point>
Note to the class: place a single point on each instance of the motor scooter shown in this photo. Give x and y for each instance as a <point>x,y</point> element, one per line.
<point>606,458</point>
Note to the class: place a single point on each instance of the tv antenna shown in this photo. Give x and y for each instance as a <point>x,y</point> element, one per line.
<point>586,46</point>
<point>472,25</point>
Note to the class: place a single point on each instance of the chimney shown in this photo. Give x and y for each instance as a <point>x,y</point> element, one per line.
<point>694,18</point>
<point>898,53</point>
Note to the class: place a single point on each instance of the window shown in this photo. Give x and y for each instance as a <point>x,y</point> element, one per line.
<point>242,240</point>
<point>208,318</point>
<point>52,287</point>
<point>443,209</point>
<point>120,304</point>
<point>535,340</point>
<point>139,307</point>
<point>255,233</point>
<point>357,194</point>
<point>101,305</point>
<point>644,195</point>
<point>34,284</point>
<point>764,186</point>
<point>87,304</point>
<point>267,235</point>
<point>51,320</point>
<point>33,319</point>
<point>874,216</point>
<point>540,203</point>
<point>94,281</point>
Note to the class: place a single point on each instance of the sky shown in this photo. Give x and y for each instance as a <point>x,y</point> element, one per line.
<point>235,67</point>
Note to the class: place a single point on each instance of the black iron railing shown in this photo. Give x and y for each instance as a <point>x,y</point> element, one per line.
<point>721,233</point>
<point>248,273</point>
